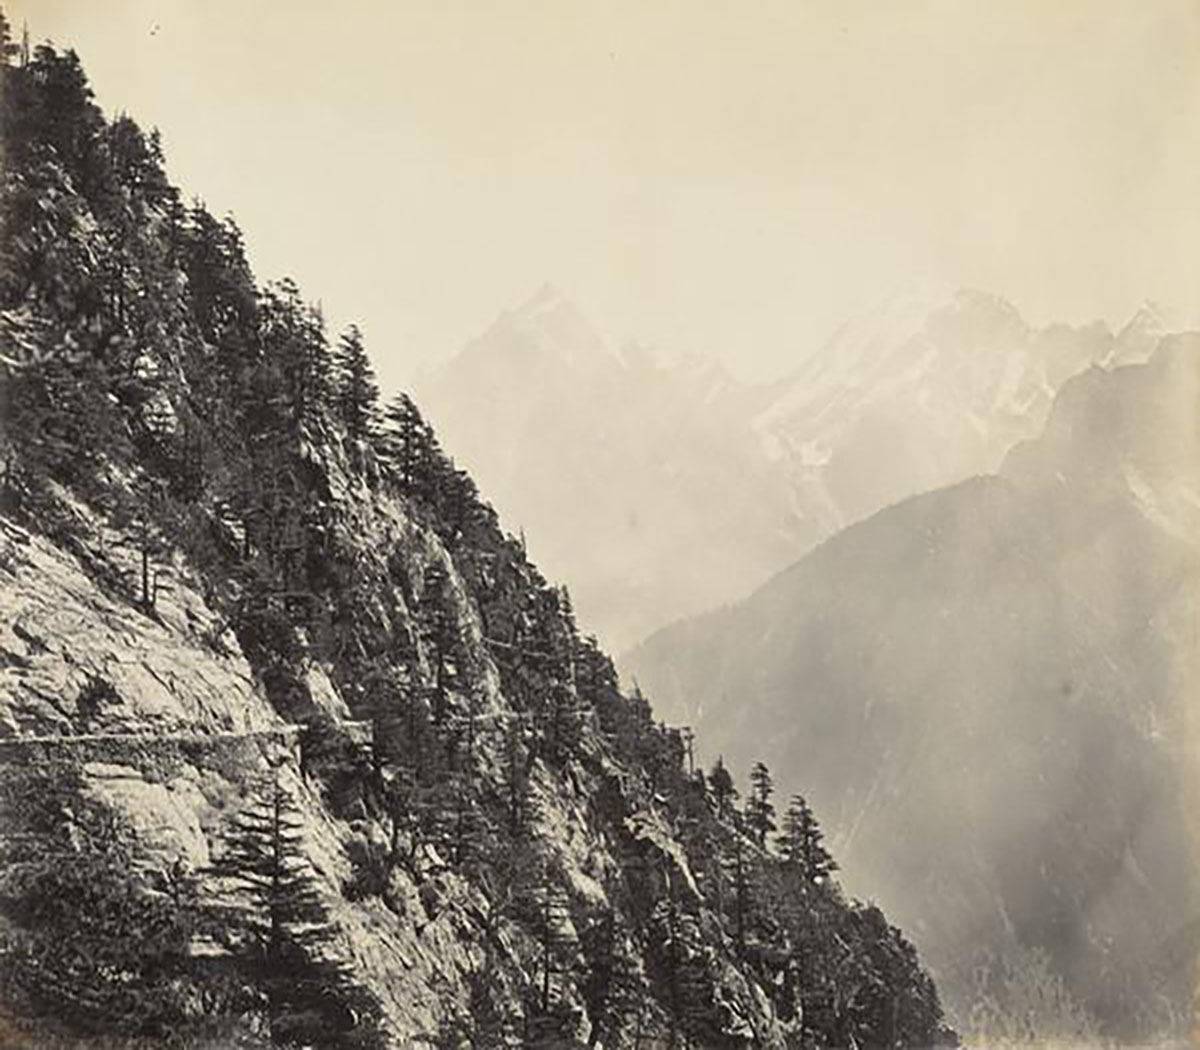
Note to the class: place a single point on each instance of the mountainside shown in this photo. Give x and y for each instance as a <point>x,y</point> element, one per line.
<point>297,746</point>
<point>627,470</point>
<point>1005,666</point>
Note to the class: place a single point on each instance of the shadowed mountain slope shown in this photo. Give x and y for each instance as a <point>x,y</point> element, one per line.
<point>1006,666</point>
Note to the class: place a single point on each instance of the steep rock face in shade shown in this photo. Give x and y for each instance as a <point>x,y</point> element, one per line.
<point>988,693</point>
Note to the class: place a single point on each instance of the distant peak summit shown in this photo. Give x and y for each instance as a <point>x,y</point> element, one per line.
<point>547,297</point>
<point>1143,332</point>
<point>1149,317</point>
<point>932,296</point>
<point>548,326</point>
<point>548,306</point>
<point>910,310</point>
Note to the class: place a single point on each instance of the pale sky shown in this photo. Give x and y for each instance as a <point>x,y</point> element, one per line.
<point>731,178</point>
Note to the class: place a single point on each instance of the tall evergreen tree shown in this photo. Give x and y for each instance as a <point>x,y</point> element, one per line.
<point>440,636</point>
<point>9,48</point>
<point>760,813</point>
<point>297,353</point>
<point>273,903</point>
<point>276,923</point>
<point>545,909</point>
<point>143,536</point>
<point>802,843</point>
<point>409,447</point>
<point>723,789</point>
<point>357,391</point>
<point>519,806</point>
<point>225,307</point>
<point>741,892</point>
<point>614,987</point>
<point>407,768</point>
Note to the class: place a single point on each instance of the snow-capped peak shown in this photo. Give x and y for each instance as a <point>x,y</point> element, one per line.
<point>1141,334</point>
<point>900,341</point>
<point>547,299</point>
<point>1149,319</point>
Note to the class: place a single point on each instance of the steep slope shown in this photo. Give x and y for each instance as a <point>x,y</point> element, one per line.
<point>1005,665</point>
<point>627,470</point>
<point>297,746</point>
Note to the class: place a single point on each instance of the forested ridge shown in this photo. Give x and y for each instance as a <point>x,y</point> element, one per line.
<point>478,777</point>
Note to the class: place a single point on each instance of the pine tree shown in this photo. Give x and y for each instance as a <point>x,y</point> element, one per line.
<point>544,908</point>
<point>357,391</point>
<point>688,736</point>
<point>614,987</point>
<point>723,789</point>
<point>760,813</point>
<point>490,1023</point>
<point>407,772</point>
<point>59,363</point>
<point>455,498</point>
<point>802,843</point>
<point>409,447</point>
<point>678,947</point>
<point>456,823</point>
<point>296,349</point>
<point>517,786</point>
<point>142,534</point>
<point>275,921</point>
<point>440,637</point>
<point>224,304</point>
<point>63,116</point>
<point>274,902</point>
<point>741,892</point>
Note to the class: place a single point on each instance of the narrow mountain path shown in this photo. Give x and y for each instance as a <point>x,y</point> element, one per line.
<point>187,738</point>
<point>102,746</point>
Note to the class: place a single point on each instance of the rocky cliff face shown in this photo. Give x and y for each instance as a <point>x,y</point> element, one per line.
<point>297,745</point>
<point>166,724</point>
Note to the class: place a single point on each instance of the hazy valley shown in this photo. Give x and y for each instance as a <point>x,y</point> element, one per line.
<point>986,690</point>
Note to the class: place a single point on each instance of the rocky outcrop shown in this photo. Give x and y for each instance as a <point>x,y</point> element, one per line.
<point>296,743</point>
<point>169,726</point>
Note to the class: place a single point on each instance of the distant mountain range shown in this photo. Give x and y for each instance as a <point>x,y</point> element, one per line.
<point>986,690</point>
<point>660,487</point>
<point>640,482</point>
